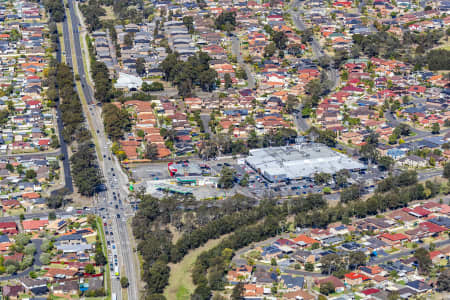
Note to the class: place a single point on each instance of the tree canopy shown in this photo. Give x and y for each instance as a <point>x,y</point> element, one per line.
<point>188,74</point>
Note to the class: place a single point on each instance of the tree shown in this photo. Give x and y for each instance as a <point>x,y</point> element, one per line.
<point>140,66</point>
<point>99,257</point>
<point>124,282</point>
<point>10,167</point>
<point>22,239</point>
<point>103,84</point>
<point>238,292</point>
<point>157,277</point>
<point>188,21</point>
<point>52,215</point>
<point>322,178</point>
<point>351,193</point>
<point>202,292</point>
<point>226,21</point>
<point>11,269</point>
<point>393,295</point>
<point>369,149</point>
<point>45,258</point>
<point>341,177</point>
<point>228,82</point>
<point>357,259</point>
<point>89,268</point>
<point>153,87</point>
<point>330,263</point>
<point>446,172</point>
<point>443,281</point>
<point>226,180</point>
<point>280,39</point>
<point>423,259</point>
<point>435,128</point>
<point>30,174</point>
<point>29,249</point>
<point>327,137</point>
<point>128,39</point>
<point>244,180</point>
<point>385,162</point>
<point>46,245</point>
<point>116,121</point>
<point>309,267</point>
<point>291,103</point>
<point>327,288</point>
<point>273,261</point>
<point>85,170</point>
<point>438,59</point>
<point>151,151</point>
<point>270,50</point>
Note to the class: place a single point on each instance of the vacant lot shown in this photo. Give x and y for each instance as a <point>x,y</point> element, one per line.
<point>180,282</point>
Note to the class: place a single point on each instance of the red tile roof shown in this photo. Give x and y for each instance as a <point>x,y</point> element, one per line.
<point>394,237</point>
<point>305,239</point>
<point>34,224</point>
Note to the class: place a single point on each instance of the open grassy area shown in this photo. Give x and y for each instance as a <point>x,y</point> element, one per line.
<point>180,282</point>
<point>107,277</point>
<point>59,26</point>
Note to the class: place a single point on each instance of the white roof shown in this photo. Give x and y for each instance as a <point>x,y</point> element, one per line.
<point>128,81</point>
<point>299,161</point>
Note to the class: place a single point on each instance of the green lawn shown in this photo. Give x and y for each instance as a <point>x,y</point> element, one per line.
<point>180,282</point>
<point>107,276</point>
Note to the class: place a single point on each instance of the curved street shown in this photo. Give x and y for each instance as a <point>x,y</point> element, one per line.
<point>392,121</point>
<point>36,264</point>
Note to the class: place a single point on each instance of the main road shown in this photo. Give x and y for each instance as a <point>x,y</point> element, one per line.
<point>116,181</point>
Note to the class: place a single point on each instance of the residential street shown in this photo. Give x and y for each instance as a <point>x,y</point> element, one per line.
<point>236,50</point>
<point>333,74</point>
<point>36,264</point>
<point>420,134</point>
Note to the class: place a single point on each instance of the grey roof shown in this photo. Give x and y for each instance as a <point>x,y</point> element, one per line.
<point>70,237</point>
<point>299,161</point>
<point>292,282</point>
<point>74,248</point>
<point>4,238</point>
<point>332,240</point>
<point>441,221</point>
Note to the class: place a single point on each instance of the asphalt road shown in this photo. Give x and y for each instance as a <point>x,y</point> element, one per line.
<point>403,253</point>
<point>205,117</point>
<point>116,181</point>
<point>420,134</point>
<point>36,264</point>
<point>333,74</point>
<point>236,50</point>
<point>300,122</point>
<point>63,145</point>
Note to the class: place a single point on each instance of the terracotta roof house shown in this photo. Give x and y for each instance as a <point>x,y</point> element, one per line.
<point>9,228</point>
<point>337,283</point>
<point>355,278</point>
<point>299,294</point>
<point>418,211</point>
<point>34,225</point>
<point>303,240</point>
<point>393,239</point>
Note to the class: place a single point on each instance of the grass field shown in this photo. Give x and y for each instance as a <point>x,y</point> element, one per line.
<point>180,282</point>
